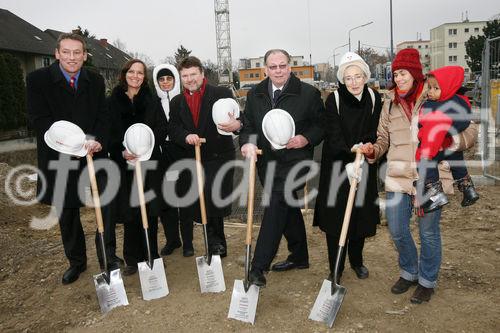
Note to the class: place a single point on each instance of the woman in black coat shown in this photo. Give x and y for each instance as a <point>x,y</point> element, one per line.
<point>132,102</point>
<point>348,121</point>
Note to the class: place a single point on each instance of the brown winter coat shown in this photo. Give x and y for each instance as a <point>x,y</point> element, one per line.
<point>398,137</point>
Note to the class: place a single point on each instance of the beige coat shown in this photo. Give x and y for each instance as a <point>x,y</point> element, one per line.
<point>397,136</point>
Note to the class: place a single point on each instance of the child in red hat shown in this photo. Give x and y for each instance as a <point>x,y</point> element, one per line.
<point>445,113</point>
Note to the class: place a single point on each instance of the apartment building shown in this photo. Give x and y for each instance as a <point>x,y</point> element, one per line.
<point>448,43</point>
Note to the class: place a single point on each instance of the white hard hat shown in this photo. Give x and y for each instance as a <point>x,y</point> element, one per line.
<point>352,59</point>
<point>220,112</point>
<point>67,138</point>
<point>139,140</point>
<point>278,127</point>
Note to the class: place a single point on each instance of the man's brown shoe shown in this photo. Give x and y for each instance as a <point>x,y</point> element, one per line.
<point>421,294</point>
<point>402,286</point>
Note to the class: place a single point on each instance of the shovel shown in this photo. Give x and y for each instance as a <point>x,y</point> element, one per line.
<point>305,210</point>
<point>245,295</point>
<point>332,294</point>
<point>108,285</point>
<point>209,266</point>
<point>151,273</point>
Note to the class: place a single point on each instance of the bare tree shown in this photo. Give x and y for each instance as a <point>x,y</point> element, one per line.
<point>120,45</point>
<point>169,60</point>
<point>144,57</point>
<point>211,73</point>
<point>372,57</point>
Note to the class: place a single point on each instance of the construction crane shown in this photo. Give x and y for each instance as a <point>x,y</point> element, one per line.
<point>223,36</point>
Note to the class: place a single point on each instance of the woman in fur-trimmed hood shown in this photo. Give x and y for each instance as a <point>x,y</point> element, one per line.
<point>164,71</point>
<point>167,84</point>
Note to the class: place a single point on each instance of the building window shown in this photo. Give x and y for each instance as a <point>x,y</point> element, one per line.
<point>295,63</point>
<point>452,32</point>
<point>476,29</point>
<point>452,45</point>
<point>420,46</point>
<point>251,75</point>
<point>426,46</point>
<point>246,76</point>
<point>466,30</point>
<point>257,75</point>
<point>46,62</point>
<point>452,58</point>
<point>257,64</point>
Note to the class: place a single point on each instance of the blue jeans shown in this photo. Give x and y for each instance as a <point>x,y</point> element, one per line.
<point>426,268</point>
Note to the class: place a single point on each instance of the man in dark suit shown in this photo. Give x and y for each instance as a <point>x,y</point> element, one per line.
<point>66,91</point>
<point>190,120</point>
<point>281,89</point>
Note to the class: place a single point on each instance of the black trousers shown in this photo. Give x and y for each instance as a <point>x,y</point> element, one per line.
<point>354,248</point>
<point>280,219</point>
<point>134,239</point>
<point>170,221</point>
<point>215,231</point>
<point>73,237</point>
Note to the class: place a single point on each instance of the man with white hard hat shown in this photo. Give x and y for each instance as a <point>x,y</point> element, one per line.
<point>191,119</point>
<point>287,137</point>
<point>66,91</point>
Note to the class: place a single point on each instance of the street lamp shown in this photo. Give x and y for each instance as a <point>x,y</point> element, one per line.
<point>359,26</point>
<point>338,47</point>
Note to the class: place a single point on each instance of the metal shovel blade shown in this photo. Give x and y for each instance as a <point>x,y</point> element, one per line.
<point>210,275</point>
<point>153,280</point>
<point>328,303</point>
<point>110,295</point>
<point>244,303</point>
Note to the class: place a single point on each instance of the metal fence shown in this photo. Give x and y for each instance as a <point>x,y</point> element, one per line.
<point>490,109</point>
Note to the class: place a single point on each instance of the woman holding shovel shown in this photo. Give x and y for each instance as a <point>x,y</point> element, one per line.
<point>132,102</point>
<point>352,114</point>
<point>397,137</point>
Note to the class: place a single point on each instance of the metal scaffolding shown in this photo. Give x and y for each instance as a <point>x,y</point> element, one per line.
<point>223,35</point>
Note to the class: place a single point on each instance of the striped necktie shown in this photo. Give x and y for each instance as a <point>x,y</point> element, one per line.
<point>276,95</point>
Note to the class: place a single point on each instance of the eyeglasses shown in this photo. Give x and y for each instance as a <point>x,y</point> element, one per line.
<point>275,67</point>
<point>166,79</point>
<point>352,79</point>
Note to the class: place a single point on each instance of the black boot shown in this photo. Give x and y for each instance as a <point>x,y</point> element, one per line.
<point>435,197</point>
<point>466,186</point>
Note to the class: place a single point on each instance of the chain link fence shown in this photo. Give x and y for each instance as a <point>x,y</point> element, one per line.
<point>490,109</point>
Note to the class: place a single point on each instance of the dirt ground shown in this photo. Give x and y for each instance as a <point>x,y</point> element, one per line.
<point>32,298</point>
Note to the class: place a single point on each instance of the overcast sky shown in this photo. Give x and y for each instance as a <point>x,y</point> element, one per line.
<point>316,27</point>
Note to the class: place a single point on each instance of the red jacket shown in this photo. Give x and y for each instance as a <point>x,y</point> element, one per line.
<point>448,115</point>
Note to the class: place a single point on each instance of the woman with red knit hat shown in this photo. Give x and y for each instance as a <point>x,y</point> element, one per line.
<point>397,136</point>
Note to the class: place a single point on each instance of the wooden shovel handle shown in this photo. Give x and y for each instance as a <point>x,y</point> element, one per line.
<point>251,197</point>
<point>350,200</point>
<point>95,194</point>
<point>140,191</point>
<point>199,175</point>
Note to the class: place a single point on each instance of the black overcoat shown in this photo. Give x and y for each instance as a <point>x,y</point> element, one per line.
<point>303,102</point>
<point>125,112</point>
<point>218,150</point>
<point>50,99</point>
<point>355,123</point>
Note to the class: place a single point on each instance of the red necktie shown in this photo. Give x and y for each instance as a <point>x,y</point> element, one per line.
<point>72,82</point>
